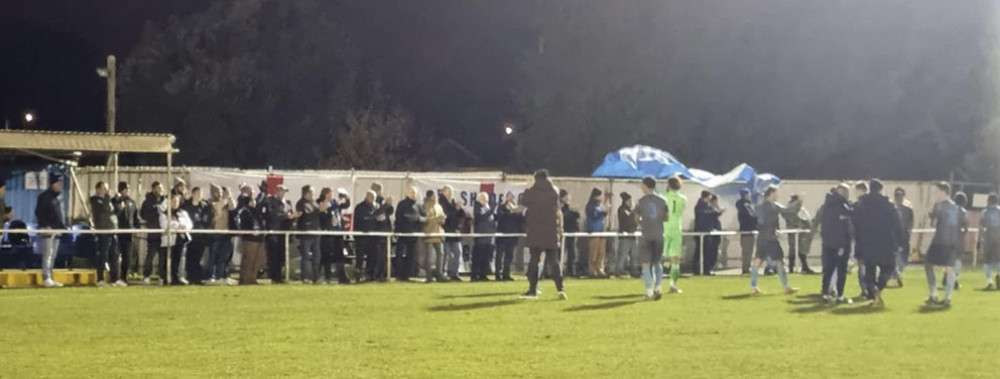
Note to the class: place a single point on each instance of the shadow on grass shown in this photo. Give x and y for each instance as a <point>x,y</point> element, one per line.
<point>742,296</point>
<point>479,295</point>
<point>803,301</point>
<point>600,306</point>
<point>619,297</point>
<point>472,306</point>
<point>811,296</point>
<point>932,309</point>
<point>862,310</point>
<point>813,309</point>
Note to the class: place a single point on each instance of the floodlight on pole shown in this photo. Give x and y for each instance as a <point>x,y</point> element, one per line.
<point>29,118</point>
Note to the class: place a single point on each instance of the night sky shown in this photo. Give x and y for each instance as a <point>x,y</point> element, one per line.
<point>51,48</point>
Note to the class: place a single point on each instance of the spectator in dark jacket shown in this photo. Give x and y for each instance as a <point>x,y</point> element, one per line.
<point>152,206</point>
<point>482,251</point>
<point>543,224</point>
<point>509,221</point>
<point>365,221</point>
<point>308,221</point>
<point>49,216</point>
<point>905,210</point>
<point>248,218</point>
<point>127,214</point>
<point>628,244</point>
<point>383,223</point>
<point>712,243</point>
<point>705,216</point>
<point>576,260</point>
<point>452,224</point>
<point>408,220</point>
<point>878,236</point>
<point>834,222</point>
<point>597,213</point>
<point>103,214</point>
<point>202,216</point>
<point>278,214</point>
<point>332,206</point>
<point>747,215</point>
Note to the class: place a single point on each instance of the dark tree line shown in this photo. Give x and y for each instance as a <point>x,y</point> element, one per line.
<point>805,89</point>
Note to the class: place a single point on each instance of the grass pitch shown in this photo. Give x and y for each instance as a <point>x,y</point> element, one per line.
<point>466,330</point>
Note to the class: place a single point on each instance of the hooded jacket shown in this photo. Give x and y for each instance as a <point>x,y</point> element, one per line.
<point>485,219</point>
<point>543,219</point>
<point>747,215</point>
<point>454,215</point>
<point>48,210</point>
<point>103,212</point>
<point>878,232</point>
<point>509,220</point>
<point>834,219</point>
<point>596,214</point>
<point>126,212</point>
<point>408,217</point>
<point>151,208</point>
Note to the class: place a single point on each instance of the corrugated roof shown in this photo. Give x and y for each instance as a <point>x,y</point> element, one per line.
<point>45,140</point>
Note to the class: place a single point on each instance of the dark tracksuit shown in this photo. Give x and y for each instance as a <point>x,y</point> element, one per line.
<point>309,245</point>
<point>747,216</point>
<point>383,223</point>
<point>576,263</point>
<point>128,218</point>
<point>202,217</point>
<point>508,221</point>
<point>408,220</point>
<point>482,250</point>
<point>103,213</point>
<point>364,221</point>
<point>332,247</point>
<point>275,213</point>
<point>706,218</point>
<point>878,235</point>
<point>150,214</point>
<point>834,218</point>
<point>905,212</point>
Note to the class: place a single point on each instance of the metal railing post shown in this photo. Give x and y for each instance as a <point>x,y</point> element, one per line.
<point>701,254</point>
<point>288,259</point>
<point>562,252</point>
<point>388,256</point>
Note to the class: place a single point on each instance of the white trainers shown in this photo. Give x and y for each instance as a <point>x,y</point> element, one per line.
<point>675,290</point>
<point>562,296</point>
<point>120,283</point>
<point>145,281</point>
<point>231,282</point>
<point>102,284</point>
<point>49,283</point>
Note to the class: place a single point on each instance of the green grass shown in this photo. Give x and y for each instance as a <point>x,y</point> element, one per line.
<point>466,330</point>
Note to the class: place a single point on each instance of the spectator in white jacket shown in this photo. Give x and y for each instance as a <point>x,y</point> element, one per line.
<point>177,239</point>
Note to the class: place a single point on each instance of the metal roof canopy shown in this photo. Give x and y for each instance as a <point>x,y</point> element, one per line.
<point>35,142</point>
<point>86,142</point>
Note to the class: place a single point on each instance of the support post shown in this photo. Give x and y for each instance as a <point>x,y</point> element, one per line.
<point>701,254</point>
<point>170,177</point>
<point>388,257</point>
<point>288,259</point>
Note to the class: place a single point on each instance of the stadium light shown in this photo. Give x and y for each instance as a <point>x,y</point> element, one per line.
<point>29,118</point>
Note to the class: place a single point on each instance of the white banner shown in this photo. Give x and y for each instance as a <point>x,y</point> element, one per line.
<point>466,191</point>
<point>294,182</point>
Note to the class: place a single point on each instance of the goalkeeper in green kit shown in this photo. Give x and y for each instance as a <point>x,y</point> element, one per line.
<point>672,231</point>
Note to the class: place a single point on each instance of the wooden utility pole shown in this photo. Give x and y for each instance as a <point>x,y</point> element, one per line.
<point>110,73</point>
